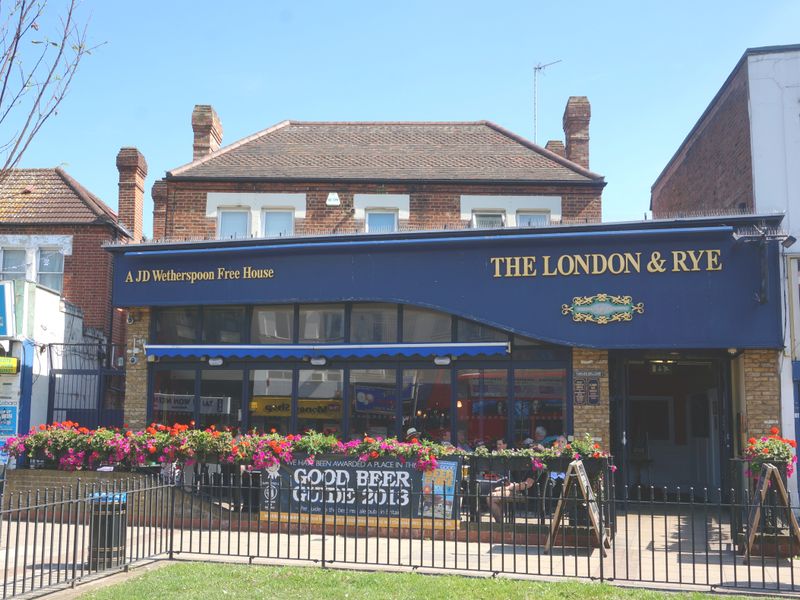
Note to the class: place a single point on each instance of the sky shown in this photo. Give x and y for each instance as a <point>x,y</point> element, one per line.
<point>649,70</point>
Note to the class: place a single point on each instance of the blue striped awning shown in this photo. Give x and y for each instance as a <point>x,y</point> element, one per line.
<point>302,351</point>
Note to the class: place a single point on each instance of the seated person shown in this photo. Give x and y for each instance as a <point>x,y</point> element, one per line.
<point>461,442</point>
<point>500,444</point>
<point>541,438</point>
<point>509,492</point>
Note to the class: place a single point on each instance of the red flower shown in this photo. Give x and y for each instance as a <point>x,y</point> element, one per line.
<point>751,441</point>
<point>151,449</point>
<point>42,426</point>
<point>125,425</point>
<point>273,430</point>
<point>373,454</point>
<point>774,430</point>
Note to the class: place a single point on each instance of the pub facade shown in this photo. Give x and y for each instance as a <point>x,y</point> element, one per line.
<point>325,304</point>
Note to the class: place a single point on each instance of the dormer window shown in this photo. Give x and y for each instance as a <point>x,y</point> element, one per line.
<point>233,224</point>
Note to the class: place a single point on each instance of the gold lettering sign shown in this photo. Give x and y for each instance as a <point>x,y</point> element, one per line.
<point>218,274</point>
<point>615,263</point>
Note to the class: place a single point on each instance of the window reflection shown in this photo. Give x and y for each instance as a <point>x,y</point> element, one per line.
<point>421,325</point>
<point>426,399</point>
<point>373,395</point>
<point>373,323</point>
<point>177,325</point>
<point>220,400</point>
<point>173,397</point>
<point>539,403</point>
<point>482,405</point>
<point>322,323</point>
<point>272,325</point>
<point>319,400</point>
<point>271,400</point>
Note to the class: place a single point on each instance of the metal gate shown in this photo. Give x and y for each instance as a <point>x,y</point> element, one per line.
<point>87,384</point>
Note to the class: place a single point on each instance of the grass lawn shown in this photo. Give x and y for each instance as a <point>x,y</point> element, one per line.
<point>203,581</point>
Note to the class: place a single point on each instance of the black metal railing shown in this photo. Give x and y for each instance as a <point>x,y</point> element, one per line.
<point>695,538</point>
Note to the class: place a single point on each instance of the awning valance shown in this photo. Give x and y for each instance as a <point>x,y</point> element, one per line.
<point>301,351</point>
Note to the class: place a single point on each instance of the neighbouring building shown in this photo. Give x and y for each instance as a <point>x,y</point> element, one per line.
<point>56,280</point>
<point>742,156</point>
<point>451,277</point>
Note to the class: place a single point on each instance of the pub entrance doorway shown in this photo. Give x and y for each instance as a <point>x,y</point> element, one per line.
<point>671,418</point>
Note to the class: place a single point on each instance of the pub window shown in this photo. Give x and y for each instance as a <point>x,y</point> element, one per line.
<point>533,219</point>
<point>223,324</point>
<point>470,331</point>
<point>373,324</point>
<point>488,220</point>
<point>381,221</point>
<point>272,325</point>
<point>373,394</point>
<point>271,400</point>
<point>14,265</point>
<point>220,401</point>
<point>278,223</point>
<point>173,397</point>
<point>540,397</point>
<point>51,269</point>
<point>421,325</point>
<point>177,325</point>
<point>233,224</point>
<point>425,399</point>
<point>322,323</point>
<point>319,400</point>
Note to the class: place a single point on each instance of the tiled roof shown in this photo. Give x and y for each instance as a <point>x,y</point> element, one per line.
<point>471,151</point>
<point>34,196</point>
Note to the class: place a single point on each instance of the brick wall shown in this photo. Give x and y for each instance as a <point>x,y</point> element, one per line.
<point>713,168</point>
<point>180,207</point>
<point>592,419</point>
<point>135,410</point>
<point>87,272</point>
<point>762,393</point>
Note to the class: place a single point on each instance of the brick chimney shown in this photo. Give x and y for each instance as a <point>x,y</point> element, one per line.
<point>207,130</point>
<point>132,169</point>
<point>576,129</point>
<point>556,147</point>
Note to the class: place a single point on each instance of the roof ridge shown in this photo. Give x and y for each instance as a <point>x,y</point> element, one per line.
<point>226,149</point>
<point>563,161</point>
<point>480,122</point>
<point>92,202</point>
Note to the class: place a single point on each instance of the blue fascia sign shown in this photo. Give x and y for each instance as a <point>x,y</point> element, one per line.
<point>691,287</point>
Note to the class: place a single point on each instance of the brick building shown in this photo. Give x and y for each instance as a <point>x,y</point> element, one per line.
<point>738,158</point>
<point>387,176</point>
<point>451,277</point>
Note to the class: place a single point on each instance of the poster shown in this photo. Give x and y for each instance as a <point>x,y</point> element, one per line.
<point>344,485</point>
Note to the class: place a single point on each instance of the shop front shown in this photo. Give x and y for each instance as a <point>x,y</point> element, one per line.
<point>642,335</point>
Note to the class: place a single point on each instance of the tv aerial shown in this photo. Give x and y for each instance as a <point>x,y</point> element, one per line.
<point>538,68</point>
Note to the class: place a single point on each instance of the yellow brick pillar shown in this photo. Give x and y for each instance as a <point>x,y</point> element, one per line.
<point>594,419</point>
<point>135,408</point>
<point>762,390</point>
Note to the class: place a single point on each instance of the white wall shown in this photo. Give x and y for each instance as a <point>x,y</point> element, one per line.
<point>774,82</point>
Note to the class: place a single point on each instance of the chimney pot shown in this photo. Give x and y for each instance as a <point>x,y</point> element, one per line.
<point>556,147</point>
<point>132,169</point>
<point>207,130</point>
<point>577,114</point>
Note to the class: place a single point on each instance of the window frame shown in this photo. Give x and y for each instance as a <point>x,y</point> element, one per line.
<point>277,209</point>
<point>39,271</point>
<point>488,213</point>
<point>24,251</point>
<point>233,209</point>
<point>382,211</point>
<point>540,213</point>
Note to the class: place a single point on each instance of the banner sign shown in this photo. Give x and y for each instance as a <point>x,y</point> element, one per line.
<point>693,287</point>
<point>184,403</point>
<point>346,486</point>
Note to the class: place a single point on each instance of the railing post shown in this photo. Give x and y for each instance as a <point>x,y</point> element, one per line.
<point>173,492</point>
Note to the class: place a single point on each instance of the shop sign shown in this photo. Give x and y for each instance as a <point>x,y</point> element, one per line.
<point>281,406</point>
<point>9,365</point>
<point>372,399</point>
<point>8,422</point>
<point>346,486</point>
<point>7,329</point>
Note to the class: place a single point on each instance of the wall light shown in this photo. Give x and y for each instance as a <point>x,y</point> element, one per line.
<point>441,361</point>
<point>333,199</point>
<point>318,361</point>
<point>215,361</point>
<point>459,404</point>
